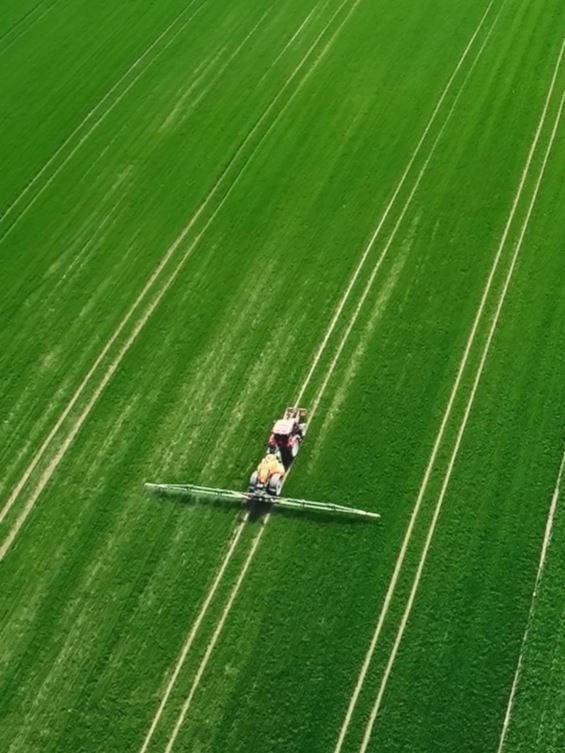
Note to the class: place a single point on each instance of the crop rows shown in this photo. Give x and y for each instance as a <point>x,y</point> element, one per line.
<point>214,212</point>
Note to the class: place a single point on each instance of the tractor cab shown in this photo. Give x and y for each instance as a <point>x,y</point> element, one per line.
<point>288,432</point>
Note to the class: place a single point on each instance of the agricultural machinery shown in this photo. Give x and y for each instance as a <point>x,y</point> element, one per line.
<point>282,447</point>
<point>266,482</point>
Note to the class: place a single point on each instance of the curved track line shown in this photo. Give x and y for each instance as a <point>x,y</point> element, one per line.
<point>539,576</point>
<point>136,64</point>
<point>453,458</point>
<point>138,326</point>
<point>439,437</point>
<point>233,594</point>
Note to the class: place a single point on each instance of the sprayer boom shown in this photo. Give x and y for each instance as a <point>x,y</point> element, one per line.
<point>192,490</point>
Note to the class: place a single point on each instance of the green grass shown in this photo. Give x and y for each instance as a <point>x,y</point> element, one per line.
<point>103,583</point>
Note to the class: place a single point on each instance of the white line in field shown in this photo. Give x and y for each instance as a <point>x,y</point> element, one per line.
<point>42,15</point>
<point>389,206</point>
<point>478,375</point>
<point>199,75</point>
<point>202,667</point>
<point>257,539</point>
<point>224,66</point>
<point>37,457</point>
<point>194,629</point>
<point>541,568</point>
<point>296,34</point>
<point>400,219</point>
<point>210,647</point>
<point>100,104</point>
<point>539,575</point>
<point>151,307</point>
<point>438,440</point>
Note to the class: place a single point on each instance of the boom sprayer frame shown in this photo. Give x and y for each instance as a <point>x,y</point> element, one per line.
<point>265,484</point>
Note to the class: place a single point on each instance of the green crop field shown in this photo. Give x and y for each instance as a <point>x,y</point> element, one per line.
<point>210,211</point>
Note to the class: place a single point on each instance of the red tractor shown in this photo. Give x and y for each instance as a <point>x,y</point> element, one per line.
<point>288,432</point>
<point>283,445</point>
<point>266,483</point>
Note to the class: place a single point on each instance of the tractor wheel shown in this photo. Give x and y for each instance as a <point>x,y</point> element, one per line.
<point>253,481</point>
<point>294,447</point>
<point>275,485</point>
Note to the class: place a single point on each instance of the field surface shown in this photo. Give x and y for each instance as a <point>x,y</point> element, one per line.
<point>210,211</point>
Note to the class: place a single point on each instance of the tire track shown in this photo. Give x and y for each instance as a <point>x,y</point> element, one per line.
<point>392,201</point>
<point>290,42</point>
<point>224,66</point>
<point>405,208</point>
<point>100,105</point>
<point>192,634</point>
<point>6,507</point>
<point>15,27</point>
<point>439,437</point>
<point>256,541</point>
<point>236,536</point>
<point>211,645</point>
<point>140,323</point>
<point>537,584</point>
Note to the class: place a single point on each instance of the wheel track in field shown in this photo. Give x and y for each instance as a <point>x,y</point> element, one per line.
<point>548,534</point>
<point>200,74</point>
<point>99,111</point>
<point>139,323</point>
<point>27,17</point>
<point>423,488</point>
<point>203,72</point>
<point>217,75</point>
<point>235,535</point>
<point>547,537</point>
<point>6,507</point>
<point>318,355</point>
<point>291,41</point>
<point>378,229</point>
